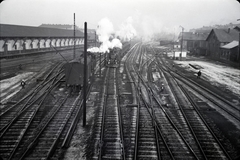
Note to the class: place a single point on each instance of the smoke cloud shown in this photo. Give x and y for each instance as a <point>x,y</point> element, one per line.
<point>105,30</point>
<point>109,38</point>
<point>127,31</point>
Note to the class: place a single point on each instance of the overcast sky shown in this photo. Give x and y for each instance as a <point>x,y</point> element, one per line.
<point>147,15</point>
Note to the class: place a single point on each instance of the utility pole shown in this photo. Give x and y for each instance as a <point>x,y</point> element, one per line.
<point>95,39</point>
<point>85,75</point>
<point>100,64</point>
<point>238,47</point>
<point>180,57</point>
<point>74,43</point>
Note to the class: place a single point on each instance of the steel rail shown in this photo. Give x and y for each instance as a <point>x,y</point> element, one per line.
<point>185,79</point>
<point>54,145</point>
<point>26,106</point>
<point>189,147</point>
<point>199,114</point>
<point>73,125</point>
<point>157,127</point>
<point>128,55</point>
<point>52,86</point>
<point>103,114</point>
<point>31,120</point>
<point>34,142</point>
<point>206,124</point>
<point>31,94</point>
<point>131,57</point>
<point>120,118</point>
<point>220,105</point>
<point>188,123</point>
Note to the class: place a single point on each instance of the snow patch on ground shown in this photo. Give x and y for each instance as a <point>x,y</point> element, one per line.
<point>156,76</point>
<point>216,74</point>
<point>12,85</point>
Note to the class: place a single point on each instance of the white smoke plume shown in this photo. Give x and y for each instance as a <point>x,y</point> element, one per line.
<point>107,35</point>
<point>127,31</point>
<point>105,30</point>
<point>93,50</point>
<point>116,43</point>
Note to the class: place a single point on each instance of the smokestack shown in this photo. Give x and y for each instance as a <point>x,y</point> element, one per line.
<point>228,31</point>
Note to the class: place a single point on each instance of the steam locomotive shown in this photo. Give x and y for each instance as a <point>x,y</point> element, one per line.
<point>74,70</point>
<point>114,56</point>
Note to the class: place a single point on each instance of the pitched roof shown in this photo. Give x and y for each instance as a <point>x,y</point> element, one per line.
<point>225,35</point>
<point>231,45</point>
<point>190,36</point>
<point>8,30</point>
<point>91,32</point>
<point>237,28</point>
<point>59,26</point>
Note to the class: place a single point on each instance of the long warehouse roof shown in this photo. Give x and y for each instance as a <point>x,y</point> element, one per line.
<point>10,31</point>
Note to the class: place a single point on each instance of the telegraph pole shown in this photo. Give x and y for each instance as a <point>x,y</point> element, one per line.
<point>180,57</point>
<point>238,55</point>
<point>95,39</point>
<point>74,54</point>
<point>85,75</point>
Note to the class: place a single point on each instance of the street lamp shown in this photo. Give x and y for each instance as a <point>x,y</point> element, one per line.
<point>181,43</point>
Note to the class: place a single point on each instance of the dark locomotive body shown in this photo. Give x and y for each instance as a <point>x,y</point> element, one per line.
<point>113,56</point>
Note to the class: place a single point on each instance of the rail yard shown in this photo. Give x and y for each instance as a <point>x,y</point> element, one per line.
<point>140,105</point>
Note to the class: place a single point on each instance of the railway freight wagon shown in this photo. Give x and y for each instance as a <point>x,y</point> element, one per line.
<point>74,72</point>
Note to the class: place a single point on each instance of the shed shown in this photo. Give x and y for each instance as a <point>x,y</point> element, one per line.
<point>230,51</point>
<point>180,55</point>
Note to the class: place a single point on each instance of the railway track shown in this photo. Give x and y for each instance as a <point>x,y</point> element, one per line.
<point>28,116</point>
<point>147,143</point>
<point>48,137</point>
<point>9,113</point>
<point>145,139</point>
<point>173,143</point>
<point>220,102</point>
<point>42,123</point>
<point>182,135</point>
<point>209,143</point>
<point>41,129</point>
<point>111,145</point>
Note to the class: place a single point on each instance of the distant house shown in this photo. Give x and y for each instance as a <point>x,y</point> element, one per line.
<point>194,42</point>
<point>169,43</point>
<point>218,38</point>
<point>176,46</point>
<point>237,28</point>
<point>229,52</point>
<point>166,42</point>
<point>180,55</point>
